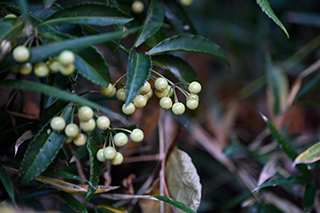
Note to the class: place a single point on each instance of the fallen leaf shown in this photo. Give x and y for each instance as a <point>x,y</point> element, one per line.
<point>25,136</point>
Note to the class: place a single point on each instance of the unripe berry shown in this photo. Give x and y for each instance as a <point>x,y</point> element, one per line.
<point>68,140</point>
<point>186,3</point>
<point>109,153</point>
<point>121,94</point>
<point>136,135</point>
<point>10,16</point>
<point>120,139</point>
<point>146,88</point>
<point>140,101</point>
<point>100,156</point>
<point>161,94</point>
<point>88,126</point>
<point>71,130</point>
<point>57,123</point>
<point>21,54</point>
<point>80,139</point>
<point>117,160</point>
<point>41,70</point>
<point>54,65</point>
<point>66,57</point>
<point>193,96</point>
<point>109,91</point>
<point>195,87</point>
<point>85,113</point>
<point>26,68</point>
<point>178,108</point>
<point>128,110</point>
<point>149,94</point>
<point>165,103</point>
<point>66,70</point>
<point>161,84</point>
<point>192,103</point>
<point>103,122</point>
<point>170,89</point>
<point>137,7</point>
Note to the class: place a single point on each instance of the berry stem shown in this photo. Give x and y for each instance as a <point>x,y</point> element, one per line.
<point>72,113</point>
<point>115,83</point>
<point>122,129</point>
<point>175,94</point>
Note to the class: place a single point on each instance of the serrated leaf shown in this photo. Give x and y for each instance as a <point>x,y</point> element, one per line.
<point>152,23</point>
<point>310,155</point>
<point>282,181</point>
<point>178,17</point>
<point>139,69</point>
<point>190,43</point>
<point>7,183</point>
<point>72,201</point>
<point>182,179</point>
<point>95,168</point>
<point>63,95</point>
<point>176,204</point>
<point>308,198</point>
<point>266,8</point>
<point>42,150</point>
<point>91,65</point>
<point>89,13</point>
<point>41,53</point>
<point>177,66</point>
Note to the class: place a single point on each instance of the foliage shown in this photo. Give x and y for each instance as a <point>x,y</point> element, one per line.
<point>247,147</point>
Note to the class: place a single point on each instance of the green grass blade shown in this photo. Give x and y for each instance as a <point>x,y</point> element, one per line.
<point>176,204</point>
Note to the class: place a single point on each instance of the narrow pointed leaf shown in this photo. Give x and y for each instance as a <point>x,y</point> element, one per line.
<point>42,52</point>
<point>24,6</point>
<point>178,17</point>
<point>177,66</point>
<point>190,43</point>
<point>64,174</point>
<point>152,23</point>
<point>139,69</point>
<point>91,65</point>
<point>72,201</point>
<point>58,81</point>
<point>42,150</point>
<point>282,181</point>
<point>89,13</point>
<point>6,27</point>
<point>266,8</point>
<point>95,168</point>
<point>7,183</point>
<point>31,194</point>
<point>176,204</point>
<point>182,179</point>
<point>63,95</point>
<point>310,155</point>
<point>308,198</point>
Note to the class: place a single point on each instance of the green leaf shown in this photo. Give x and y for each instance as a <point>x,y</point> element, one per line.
<point>265,7</point>
<point>6,27</point>
<point>89,13</point>
<point>308,198</point>
<point>41,53</point>
<point>42,150</point>
<point>177,66</point>
<point>30,194</point>
<point>278,86</point>
<point>310,155</point>
<point>7,183</point>
<point>24,6</point>
<point>139,69</point>
<point>176,204</point>
<point>58,81</point>
<point>66,175</point>
<point>178,17</point>
<point>72,201</point>
<point>91,65</point>
<point>182,179</point>
<point>282,181</point>
<point>48,3</point>
<point>95,168</point>
<point>63,95</point>
<point>285,146</point>
<point>152,23</point>
<point>80,153</point>
<point>191,43</point>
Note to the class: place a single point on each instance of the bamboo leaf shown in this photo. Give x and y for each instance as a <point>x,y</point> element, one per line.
<point>310,155</point>
<point>63,95</point>
<point>139,69</point>
<point>152,23</point>
<point>177,66</point>
<point>72,201</point>
<point>282,181</point>
<point>7,183</point>
<point>266,8</point>
<point>182,179</point>
<point>42,150</point>
<point>176,204</point>
<point>89,13</point>
<point>190,43</point>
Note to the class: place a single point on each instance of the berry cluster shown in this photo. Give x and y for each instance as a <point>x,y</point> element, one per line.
<point>164,89</point>
<point>87,124</point>
<point>62,63</point>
